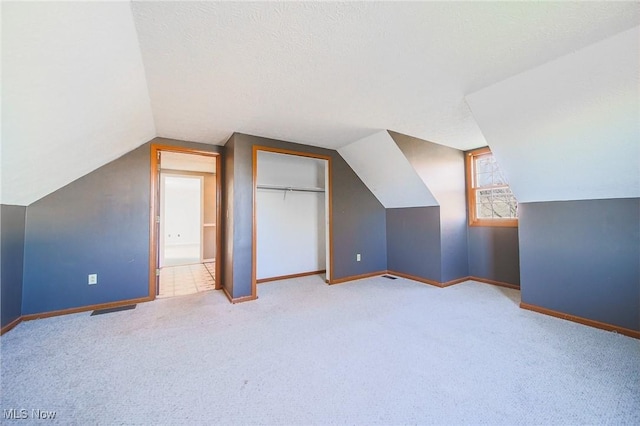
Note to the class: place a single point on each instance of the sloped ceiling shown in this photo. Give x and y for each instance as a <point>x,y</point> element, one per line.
<point>85,82</point>
<point>569,129</point>
<point>328,74</point>
<point>74,93</point>
<point>385,170</point>
<point>440,167</point>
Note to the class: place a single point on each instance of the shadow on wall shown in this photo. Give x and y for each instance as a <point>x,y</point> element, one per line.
<point>494,253</point>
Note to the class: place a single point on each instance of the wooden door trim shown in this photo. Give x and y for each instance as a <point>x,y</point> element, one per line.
<point>154,211</point>
<point>328,191</point>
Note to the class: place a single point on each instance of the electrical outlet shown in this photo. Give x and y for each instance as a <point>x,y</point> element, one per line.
<point>358,258</point>
<point>93,279</point>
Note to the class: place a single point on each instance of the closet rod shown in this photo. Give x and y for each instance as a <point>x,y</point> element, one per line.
<point>290,188</point>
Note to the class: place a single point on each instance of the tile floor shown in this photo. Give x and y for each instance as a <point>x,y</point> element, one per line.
<point>186,279</point>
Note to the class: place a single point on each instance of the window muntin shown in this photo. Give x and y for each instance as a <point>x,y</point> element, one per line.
<point>490,200</point>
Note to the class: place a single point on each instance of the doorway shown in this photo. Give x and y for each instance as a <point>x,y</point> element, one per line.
<point>186,213</point>
<point>292,226</point>
<point>181,205</point>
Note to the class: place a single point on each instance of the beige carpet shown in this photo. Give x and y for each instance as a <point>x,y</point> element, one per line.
<point>374,351</point>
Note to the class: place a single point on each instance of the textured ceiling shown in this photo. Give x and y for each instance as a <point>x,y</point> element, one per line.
<point>328,74</point>
<point>74,94</point>
<point>85,82</point>
<point>576,121</point>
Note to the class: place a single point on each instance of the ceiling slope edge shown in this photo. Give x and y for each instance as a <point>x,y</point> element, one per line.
<point>440,167</point>
<point>385,170</point>
<point>75,94</point>
<point>569,129</point>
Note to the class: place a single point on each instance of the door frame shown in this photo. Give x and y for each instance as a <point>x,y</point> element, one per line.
<point>329,206</point>
<point>154,211</point>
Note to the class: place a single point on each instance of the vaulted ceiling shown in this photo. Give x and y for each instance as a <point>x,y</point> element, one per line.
<point>330,73</point>
<point>85,82</point>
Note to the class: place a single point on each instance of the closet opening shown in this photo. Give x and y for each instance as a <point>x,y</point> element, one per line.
<point>184,222</point>
<point>291,215</point>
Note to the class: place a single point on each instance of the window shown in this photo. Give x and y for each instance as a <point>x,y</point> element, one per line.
<point>489,198</point>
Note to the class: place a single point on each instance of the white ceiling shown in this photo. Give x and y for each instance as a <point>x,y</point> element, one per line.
<point>86,82</point>
<point>328,74</point>
<point>386,171</point>
<point>576,121</point>
<point>74,93</point>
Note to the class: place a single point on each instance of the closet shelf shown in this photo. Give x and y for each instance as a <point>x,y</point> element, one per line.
<point>290,188</point>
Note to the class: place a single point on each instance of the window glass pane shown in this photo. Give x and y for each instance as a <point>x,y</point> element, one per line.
<point>487,172</point>
<point>483,200</point>
<point>484,196</point>
<point>493,197</point>
<point>484,164</point>
<point>501,209</point>
<point>498,178</point>
<point>483,211</point>
<point>496,203</point>
<point>484,179</point>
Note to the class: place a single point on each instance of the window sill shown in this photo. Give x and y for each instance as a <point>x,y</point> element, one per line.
<point>503,223</point>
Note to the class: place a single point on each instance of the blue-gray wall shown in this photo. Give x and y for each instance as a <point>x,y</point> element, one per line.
<point>12,228</point>
<point>358,217</point>
<point>455,260</point>
<point>98,224</point>
<point>413,242</point>
<point>583,258</point>
<point>577,257</point>
<point>442,170</point>
<point>494,253</point>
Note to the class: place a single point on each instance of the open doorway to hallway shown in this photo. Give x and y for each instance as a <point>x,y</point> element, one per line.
<point>181,223</point>
<point>186,231</point>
